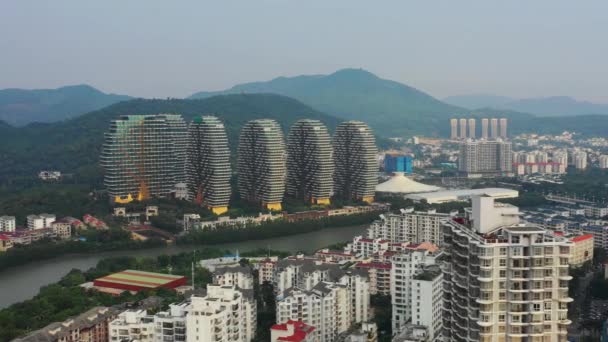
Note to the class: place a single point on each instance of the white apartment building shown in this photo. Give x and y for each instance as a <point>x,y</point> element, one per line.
<point>224,314</point>
<point>481,158</point>
<point>7,223</point>
<point>427,301</point>
<point>327,307</point>
<point>405,267</point>
<point>239,276</point>
<point>321,295</point>
<point>409,226</point>
<point>266,270</point>
<point>580,160</point>
<point>504,281</point>
<point>170,325</point>
<point>132,325</point>
<point>40,221</point>
<point>305,274</point>
<point>603,161</point>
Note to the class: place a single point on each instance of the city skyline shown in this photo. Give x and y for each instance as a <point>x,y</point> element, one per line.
<point>205,54</point>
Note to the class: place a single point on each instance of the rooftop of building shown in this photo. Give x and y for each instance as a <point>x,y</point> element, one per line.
<point>428,273</point>
<point>60,330</point>
<point>300,330</point>
<point>399,183</point>
<point>140,278</point>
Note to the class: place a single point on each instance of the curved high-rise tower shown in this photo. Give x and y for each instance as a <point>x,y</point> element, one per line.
<point>309,162</point>
<point>261,163</point>
<point>208,164</point>
<point>143,156</point>
<point>356,169</point>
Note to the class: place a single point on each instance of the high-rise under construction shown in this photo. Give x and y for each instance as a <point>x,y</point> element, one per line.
<point>208,164</point>
<point>356,169</point>
<point>262,163</point>
<point>309,162</point>
<point>143,156</point>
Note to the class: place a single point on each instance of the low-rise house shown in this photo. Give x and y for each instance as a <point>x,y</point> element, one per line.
<point>91,326</point>
<point>62,228</point>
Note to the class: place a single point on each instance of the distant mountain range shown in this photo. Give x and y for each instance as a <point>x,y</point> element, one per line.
<point>74,145</point>
<point>546,106</point>
<point>19,107</point>
<point>391,108</point>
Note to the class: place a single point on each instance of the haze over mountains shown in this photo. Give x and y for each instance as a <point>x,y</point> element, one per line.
<point>390,107</point>
<point>19,107</point>
<point>546,106</point>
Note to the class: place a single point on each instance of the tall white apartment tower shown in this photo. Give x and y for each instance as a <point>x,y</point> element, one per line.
<point>580,160</point>
<point>453,129</point>
<point>484,128</point>
<point>463,129</point>
<point>603,161</point>
<point>504,281</point>
<point>407,267</point>
<point>472,129</point>
<point>503,128</point>
<point>493,128</point>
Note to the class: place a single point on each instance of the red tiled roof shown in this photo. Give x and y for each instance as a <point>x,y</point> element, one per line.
<point>300,331</point>
<point>581,238</point>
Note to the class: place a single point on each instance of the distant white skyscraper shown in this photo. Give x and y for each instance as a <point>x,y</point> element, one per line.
<point>453,129</point>
<point>484,128</point>
<point>472,129</point>
<point>493,128</point>
<point>485,158</point>
<point>503,128</point>
<point>603,161</point>
<point>580,160</point>
<point>463,129</point>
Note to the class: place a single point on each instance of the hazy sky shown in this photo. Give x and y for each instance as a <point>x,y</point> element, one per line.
<point>174,48</point>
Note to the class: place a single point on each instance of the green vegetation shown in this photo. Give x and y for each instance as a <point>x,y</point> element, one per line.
<point>19,107</point>
<point>58,198</point>
<point>591,183</point>
<point>273,229</point>
<point>395,109</point>
<point>97,241</point>
<point>389,107</point>
<point>398,203</point>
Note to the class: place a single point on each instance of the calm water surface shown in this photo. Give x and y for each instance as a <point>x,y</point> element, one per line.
<point>23,282</point>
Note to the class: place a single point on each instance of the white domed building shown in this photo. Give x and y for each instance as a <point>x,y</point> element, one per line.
<point>399,184</point>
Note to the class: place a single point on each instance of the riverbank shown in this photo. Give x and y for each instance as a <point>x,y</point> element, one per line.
<point>20,256</point>
<point>24,282</point>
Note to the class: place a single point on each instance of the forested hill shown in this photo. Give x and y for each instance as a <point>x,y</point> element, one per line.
<point>392,108</point>
<point>395,109</point>
<point>74,145</point>
<point>19,107</point>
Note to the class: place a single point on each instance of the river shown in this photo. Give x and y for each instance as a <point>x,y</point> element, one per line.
<point>23,282</point>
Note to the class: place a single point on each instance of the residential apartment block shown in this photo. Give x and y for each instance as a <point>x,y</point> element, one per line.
<point>409,226</point>
<point>504,281</point>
